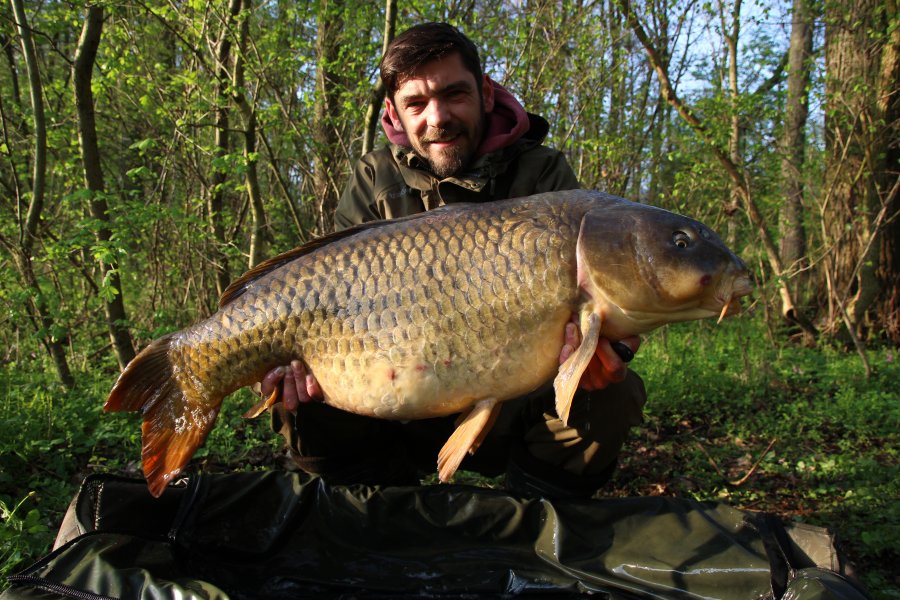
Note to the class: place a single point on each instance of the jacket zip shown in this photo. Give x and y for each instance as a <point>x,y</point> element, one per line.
<point>55,588</point>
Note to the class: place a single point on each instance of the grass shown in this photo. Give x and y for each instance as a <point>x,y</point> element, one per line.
<point>732,416</point>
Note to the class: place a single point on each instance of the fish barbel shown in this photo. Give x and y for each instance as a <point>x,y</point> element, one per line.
<point>450,311</point>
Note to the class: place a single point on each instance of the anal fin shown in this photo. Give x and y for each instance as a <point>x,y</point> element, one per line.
<point>569,376</point>
<point>467,437</point>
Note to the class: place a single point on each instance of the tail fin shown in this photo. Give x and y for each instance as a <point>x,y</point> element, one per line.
<point>177,418</point>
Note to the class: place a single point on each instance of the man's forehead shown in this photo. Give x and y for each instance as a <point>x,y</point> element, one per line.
<point>435,76</point>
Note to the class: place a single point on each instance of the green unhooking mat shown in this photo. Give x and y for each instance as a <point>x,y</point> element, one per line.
<point>268,535</point>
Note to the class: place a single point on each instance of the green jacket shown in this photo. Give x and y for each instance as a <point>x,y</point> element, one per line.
<point>392,182</point>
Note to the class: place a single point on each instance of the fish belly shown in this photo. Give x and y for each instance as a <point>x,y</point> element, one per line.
<point>446,370</point>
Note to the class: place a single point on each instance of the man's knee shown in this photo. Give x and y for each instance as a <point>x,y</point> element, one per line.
<point>606,416</point>
<point>588,446</point>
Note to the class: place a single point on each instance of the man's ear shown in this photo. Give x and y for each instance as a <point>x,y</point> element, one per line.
<point>487,93</point>
<point>392,114</point>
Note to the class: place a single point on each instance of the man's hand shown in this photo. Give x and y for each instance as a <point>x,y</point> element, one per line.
<point>606,366</point>
<point>297,385</point>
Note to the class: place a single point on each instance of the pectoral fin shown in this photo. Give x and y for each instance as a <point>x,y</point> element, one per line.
<point>570,372</point>
<point>467,437</point>
<point>263,405</point>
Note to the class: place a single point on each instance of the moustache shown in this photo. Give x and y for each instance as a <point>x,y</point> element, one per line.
<point>441,135</point>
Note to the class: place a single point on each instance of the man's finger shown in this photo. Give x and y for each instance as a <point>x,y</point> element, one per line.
<point>570,342</point>
<point>594,377</point>
<point>613,366</point>
<point>301,378</point>
<point>289,391</point>
<point>313,389</point>
<point>307,386</point>
<point>271,381</point>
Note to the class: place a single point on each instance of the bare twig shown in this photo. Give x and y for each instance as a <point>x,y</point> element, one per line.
<point>851,330</point>
<point>748,475</point>
<point>711,460</point>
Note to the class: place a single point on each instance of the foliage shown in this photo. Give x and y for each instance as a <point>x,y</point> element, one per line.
<point>21,537</point>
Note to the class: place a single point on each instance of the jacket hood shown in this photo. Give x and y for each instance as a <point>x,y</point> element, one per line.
<point>506,124</point>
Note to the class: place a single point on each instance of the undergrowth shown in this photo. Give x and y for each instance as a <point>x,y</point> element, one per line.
<point>795,431</point>
<point>732,416</point>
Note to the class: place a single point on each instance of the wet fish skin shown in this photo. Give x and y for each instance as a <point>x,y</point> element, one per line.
<point>429,315</point>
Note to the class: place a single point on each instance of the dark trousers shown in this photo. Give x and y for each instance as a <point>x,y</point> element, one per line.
<point>528,442</point>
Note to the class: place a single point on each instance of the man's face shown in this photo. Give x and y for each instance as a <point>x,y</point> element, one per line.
<point>442,113</point>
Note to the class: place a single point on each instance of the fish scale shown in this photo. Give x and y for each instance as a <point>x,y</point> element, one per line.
<point>443,312</point>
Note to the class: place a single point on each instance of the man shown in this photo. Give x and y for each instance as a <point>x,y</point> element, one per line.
<point>456,136</point>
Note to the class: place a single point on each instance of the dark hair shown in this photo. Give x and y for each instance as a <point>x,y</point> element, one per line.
<point>422,44</point>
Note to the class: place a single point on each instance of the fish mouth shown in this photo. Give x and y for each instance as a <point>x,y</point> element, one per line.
<point>731,304</point>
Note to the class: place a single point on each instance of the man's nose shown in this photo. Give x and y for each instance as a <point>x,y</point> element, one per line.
<point>438,114</point>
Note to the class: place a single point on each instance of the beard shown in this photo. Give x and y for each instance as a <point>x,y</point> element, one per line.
<point>445,162</point>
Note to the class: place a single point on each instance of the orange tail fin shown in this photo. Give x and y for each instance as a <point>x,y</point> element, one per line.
<point>177,418</point>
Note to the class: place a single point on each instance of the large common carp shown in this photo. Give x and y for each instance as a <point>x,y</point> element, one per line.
<point>450,311</point>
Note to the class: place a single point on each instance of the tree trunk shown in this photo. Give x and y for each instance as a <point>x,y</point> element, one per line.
<point>860,136</point>
<point>28,228</point>
<point>661,177</point>
<point>326,110</point>
<point>258,230</point>
<point>374,110</point>
<point>888,107</point>
<point>793,147</point>
<point>734,139</point>
<point>609,171</point>
<point>215,202</point>
<point>82,72</point>
<point>42,317</point>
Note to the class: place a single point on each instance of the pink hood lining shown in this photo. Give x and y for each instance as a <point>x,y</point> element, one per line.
<point>505,124</point>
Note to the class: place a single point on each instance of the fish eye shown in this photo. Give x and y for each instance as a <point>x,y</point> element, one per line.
<point>681,239</point>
